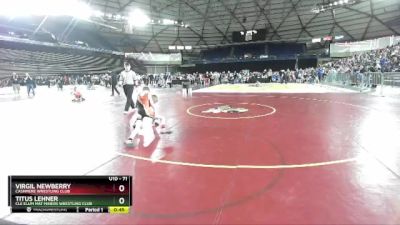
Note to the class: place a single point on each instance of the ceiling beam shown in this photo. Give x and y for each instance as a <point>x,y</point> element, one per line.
<point>284,19</point>
<point>154,36</point>
<point>268,20</point>
<point>152,31</point>
<point>260,10</point>
<point>303,27</point>
<point>230,19</point>
<point>345,31</point>
<point>204,21</point>
<point>373,16</point>
<point>232,14</point>
<point>167,6</point>
<point>125,5</point>
<point>178,28</point>
<point>208,20</point>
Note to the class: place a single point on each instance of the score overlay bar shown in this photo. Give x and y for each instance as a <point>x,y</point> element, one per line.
<point>70,194</point>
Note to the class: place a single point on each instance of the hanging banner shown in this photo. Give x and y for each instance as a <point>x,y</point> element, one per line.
<point>349,48</point>
<point>156,58</point>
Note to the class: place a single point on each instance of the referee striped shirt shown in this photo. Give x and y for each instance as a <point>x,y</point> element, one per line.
<point>128,77</point>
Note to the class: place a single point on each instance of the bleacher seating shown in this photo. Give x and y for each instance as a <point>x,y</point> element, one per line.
<point>251,50</point>
<point>216,54</point>
<point>47,61</point>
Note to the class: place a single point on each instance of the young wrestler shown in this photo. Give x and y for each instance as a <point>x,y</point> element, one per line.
<point>143,120</point>
<point>77,96</point>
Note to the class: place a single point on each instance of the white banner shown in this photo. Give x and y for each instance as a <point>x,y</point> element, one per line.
<point>349,48</point>
<point>156,58</point>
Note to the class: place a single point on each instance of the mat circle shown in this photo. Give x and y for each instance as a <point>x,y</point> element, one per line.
<point>191,113</point>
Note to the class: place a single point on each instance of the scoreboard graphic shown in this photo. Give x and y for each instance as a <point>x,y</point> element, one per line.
<point>70,194</point>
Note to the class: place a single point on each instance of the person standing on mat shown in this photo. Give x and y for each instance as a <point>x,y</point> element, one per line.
<point>15,83</point>
<point>127,78</point>
<point>30,84</point>
<point>114,82</point>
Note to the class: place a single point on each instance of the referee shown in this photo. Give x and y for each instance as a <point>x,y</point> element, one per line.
<point>114,82</point>
<point>127,78</point>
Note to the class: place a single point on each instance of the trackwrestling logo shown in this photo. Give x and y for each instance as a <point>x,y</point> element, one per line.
<point>225,109</point>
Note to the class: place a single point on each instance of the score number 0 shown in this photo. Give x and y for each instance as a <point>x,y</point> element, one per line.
<point>121,200</point>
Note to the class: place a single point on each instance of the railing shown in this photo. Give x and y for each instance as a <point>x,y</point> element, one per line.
<point>364,82</point>
<point>392,79</point>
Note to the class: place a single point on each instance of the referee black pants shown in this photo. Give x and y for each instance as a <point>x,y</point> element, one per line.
<point>128,90</point>
<point>114,87</point>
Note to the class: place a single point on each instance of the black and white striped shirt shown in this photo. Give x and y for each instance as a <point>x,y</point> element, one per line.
<point>128,77</point>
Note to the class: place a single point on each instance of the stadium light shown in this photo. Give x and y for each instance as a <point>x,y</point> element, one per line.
<point>324,7</point>
<point>80,10</point>
<point>168,22</point>
<point>138,18</point>
<point>75,8</point>
<point>316,40</point>
<point>109,15</point>
<point>98,13</point>
<point>16,8</point>
<point>339,37</point>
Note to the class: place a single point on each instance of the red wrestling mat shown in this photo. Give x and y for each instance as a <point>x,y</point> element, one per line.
<point>288,159</point>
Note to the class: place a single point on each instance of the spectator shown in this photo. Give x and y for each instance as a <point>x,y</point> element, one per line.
<point>16,83</point>
<point>114,82</point>
<point>30,84</point>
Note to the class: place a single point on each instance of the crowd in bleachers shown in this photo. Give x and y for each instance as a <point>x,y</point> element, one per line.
<point>84,79</point>
<point>254,51</point>
<point>309,75</point>
<point>382,60</point>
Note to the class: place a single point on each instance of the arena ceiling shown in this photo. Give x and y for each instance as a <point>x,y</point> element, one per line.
<point>211,22</point>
